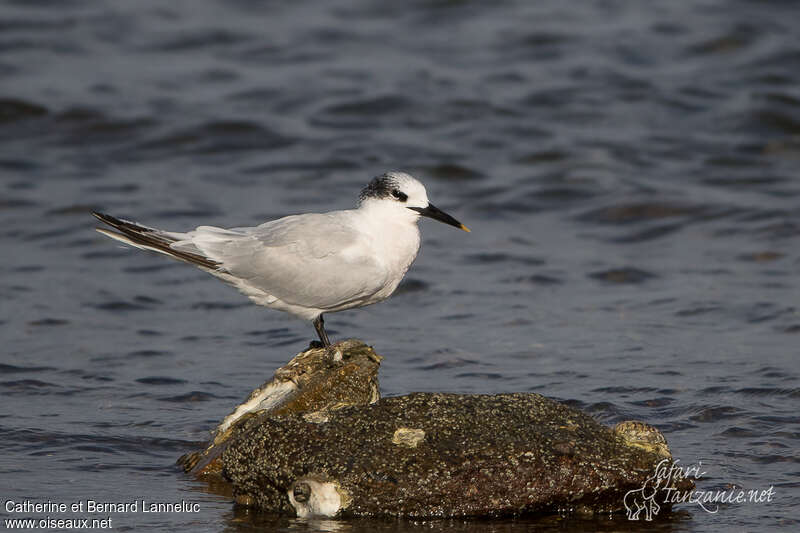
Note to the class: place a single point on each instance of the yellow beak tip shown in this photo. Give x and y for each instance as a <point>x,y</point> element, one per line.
<point>465,228</point>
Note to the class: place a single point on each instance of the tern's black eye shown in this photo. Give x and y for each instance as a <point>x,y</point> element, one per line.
<point>399,195</point>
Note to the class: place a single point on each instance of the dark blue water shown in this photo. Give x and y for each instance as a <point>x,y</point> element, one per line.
<point>629,171</point>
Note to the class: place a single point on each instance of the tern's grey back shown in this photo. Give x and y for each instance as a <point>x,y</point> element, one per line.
<point>315,261</point>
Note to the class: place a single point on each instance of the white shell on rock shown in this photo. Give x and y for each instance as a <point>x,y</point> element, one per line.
<point>312,497</point>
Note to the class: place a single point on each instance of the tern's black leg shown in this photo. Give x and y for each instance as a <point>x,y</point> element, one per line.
<point>319,325</point>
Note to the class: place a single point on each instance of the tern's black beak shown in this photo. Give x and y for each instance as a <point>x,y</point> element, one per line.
<point>435,213</point>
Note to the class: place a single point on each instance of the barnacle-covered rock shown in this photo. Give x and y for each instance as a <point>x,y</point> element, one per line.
<point>313,382</point>
<point>317,440</point>
<point>438,455</point>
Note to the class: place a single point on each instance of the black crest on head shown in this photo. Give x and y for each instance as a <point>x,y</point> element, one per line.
<point>380,187</point>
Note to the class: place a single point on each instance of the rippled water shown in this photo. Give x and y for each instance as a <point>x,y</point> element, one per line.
<point>629,170</point>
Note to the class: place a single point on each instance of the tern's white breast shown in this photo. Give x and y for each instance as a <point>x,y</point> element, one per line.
<point>394,244</point>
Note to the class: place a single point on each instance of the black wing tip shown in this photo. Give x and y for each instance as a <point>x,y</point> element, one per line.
<point>151,238</point>
<point>102,217</point>
<point>120,223</point>
<point>105,217</point>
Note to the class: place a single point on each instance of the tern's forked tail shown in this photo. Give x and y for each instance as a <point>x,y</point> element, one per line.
<point>150,239</point>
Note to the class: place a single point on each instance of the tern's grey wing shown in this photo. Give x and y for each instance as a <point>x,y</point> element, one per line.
<point>317,260</point>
